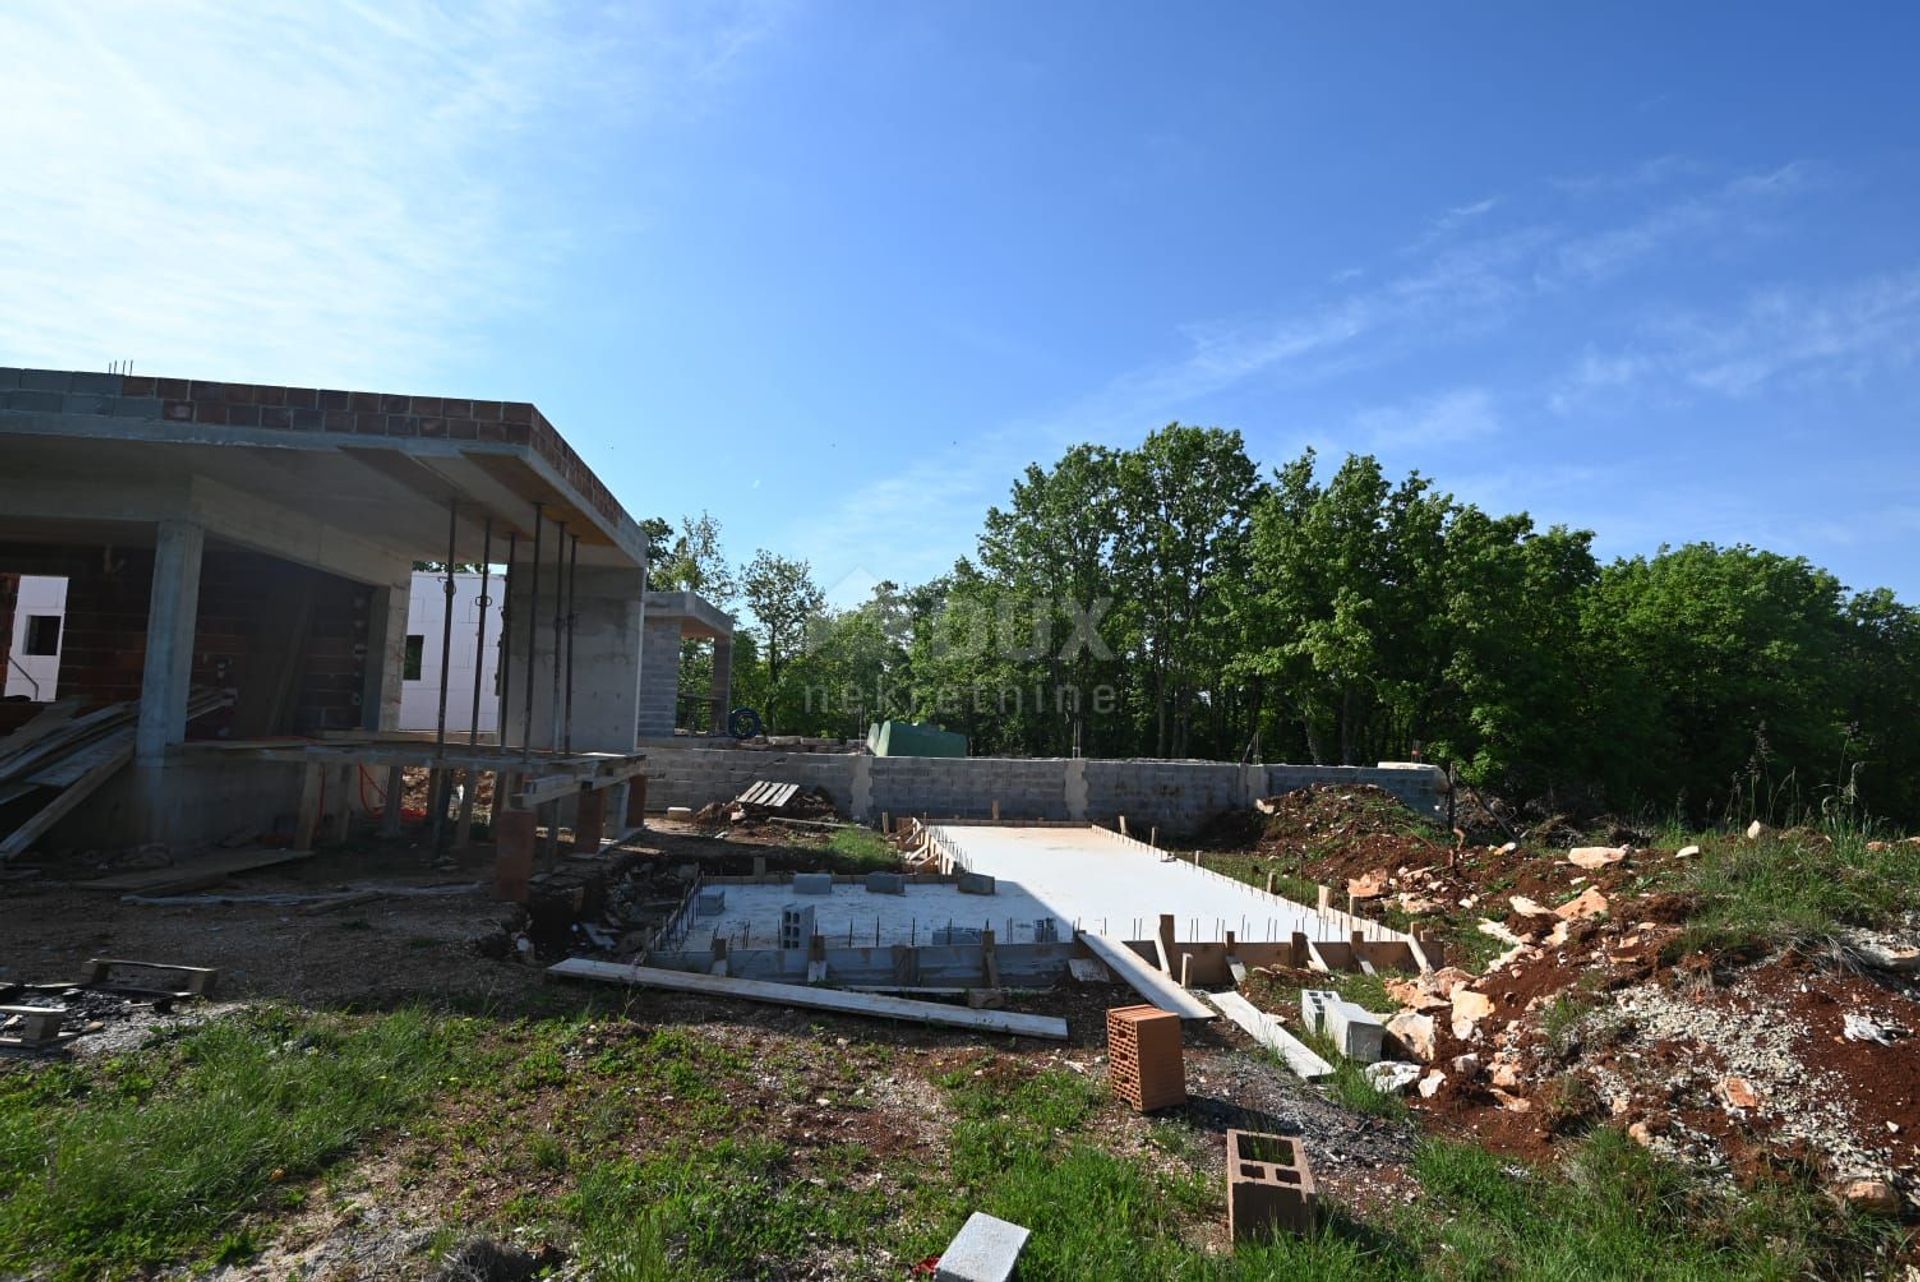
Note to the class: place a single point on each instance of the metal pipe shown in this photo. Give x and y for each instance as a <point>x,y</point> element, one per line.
<point>559,621</point>
<point>480,642</point>
<point>506,640</point>
<point>533,638</point>
<point>573,616</point>
<point>437,794</point>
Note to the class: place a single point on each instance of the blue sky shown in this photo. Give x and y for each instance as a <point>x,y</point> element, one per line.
<point>836,272</point>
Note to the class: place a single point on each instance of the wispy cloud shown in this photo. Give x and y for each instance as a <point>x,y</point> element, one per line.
<point>1451,221</point>
<point>1735,207</point>
<point>1791,337</point>
<point>1450,418</point>
<point>1653,172</point>
<point>1456,286</point>
<point>320,193</point>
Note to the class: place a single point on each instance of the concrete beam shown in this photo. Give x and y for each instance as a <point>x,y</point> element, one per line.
<point>292,536</point>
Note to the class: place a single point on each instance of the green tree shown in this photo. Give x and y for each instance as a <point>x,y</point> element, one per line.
<point>1742,656</point>
<point>784,599</point>
<point>1187,496</point>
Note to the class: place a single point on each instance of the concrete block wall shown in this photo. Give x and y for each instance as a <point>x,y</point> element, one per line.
<point>1175,796</point>
<point>659,676</point>
<point>695,776</point>
<point>967,787</point>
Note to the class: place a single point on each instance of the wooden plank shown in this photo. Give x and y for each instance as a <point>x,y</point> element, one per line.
<point>1266,1030</point>
<point>43,723</point>
<point>832,999</point>
<point>307,817</point>
<point>76,765</point>
<point>195,874</point>
<point>66,737</point>
<point>82,788</point>
<point>1157,988</point>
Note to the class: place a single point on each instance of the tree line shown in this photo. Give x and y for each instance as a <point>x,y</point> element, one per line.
<point>1170,600</point>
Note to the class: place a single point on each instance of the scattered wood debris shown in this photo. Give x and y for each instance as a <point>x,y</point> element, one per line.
<point>61,757</point>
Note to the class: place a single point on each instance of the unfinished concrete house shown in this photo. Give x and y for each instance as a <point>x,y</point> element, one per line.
<point>236,562</point>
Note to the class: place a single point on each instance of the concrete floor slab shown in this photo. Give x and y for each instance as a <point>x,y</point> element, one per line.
<point>1102,882</point>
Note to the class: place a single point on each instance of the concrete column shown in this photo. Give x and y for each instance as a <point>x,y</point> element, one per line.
<point>722,689</point>
<point>170,619</point>
<point>386,657</point>
<point>660,689</point>
<point>606,658</point>
<point>1076,789</point>
<point>860,799</point>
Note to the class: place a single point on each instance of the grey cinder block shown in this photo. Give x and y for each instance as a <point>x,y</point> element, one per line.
<point>985,1249</point>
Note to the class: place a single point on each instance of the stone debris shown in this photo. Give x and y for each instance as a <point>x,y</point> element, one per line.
<point>1739,1094</point>
<point>1370,886</point>
<point>1392,1076</point>
<point>1430,1084</point>
<point>1498,931</point>
<point>1415,1034</point>
<point>1469,1008</point>
<point>1588,904</point>
<point>1864,1028</point>
<point>1804,1102</point>
<point>1876,1197</point>
<point>1592,857</point>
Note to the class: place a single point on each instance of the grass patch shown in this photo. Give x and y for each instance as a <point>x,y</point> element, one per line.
<point>1618,1212</point>
<point>1562,1018</point>
<point>156,1156</point>
<point>861,850</point>
<point>1254,871</point>
<point>1794,889</point>
<point>710,1211</point>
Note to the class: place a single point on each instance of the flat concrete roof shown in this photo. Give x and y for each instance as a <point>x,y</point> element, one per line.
<point>373,472</point>
<point>698,616</point>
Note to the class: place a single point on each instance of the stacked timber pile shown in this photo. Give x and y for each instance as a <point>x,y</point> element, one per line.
<point>61,757</point>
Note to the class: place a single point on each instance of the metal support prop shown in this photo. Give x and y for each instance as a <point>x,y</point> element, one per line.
<point>506,638</point>
<point>463,829</point>
<point>436,796</point>
<point>533,637</point>
<point>480,641</point>
<point>559,621</point>
<point>573,617</point>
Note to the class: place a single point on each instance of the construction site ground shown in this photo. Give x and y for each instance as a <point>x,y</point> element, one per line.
<point>389,1087</point>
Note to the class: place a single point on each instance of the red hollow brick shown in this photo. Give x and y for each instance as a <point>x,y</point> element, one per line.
<point>1145,1065</point>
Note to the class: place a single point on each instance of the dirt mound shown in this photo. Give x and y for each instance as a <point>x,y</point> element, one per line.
<point>1775,1067</point>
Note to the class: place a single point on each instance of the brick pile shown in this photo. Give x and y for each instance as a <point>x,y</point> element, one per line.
<point>1145,1066</point>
